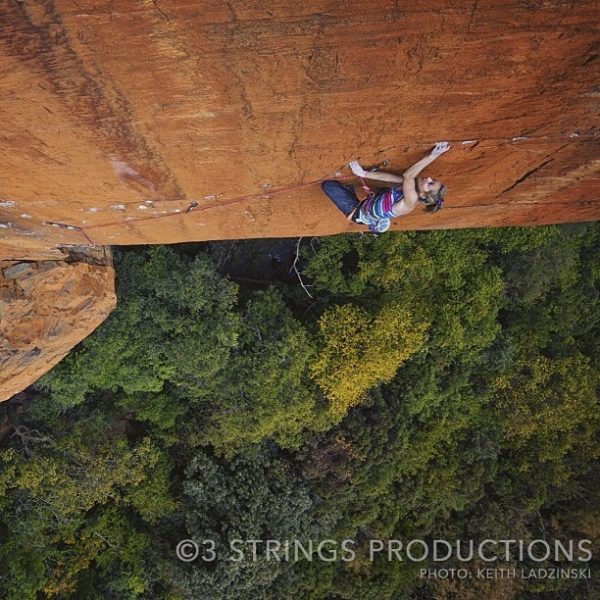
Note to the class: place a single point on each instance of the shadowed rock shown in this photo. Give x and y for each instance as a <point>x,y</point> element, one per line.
<point>43,315</point>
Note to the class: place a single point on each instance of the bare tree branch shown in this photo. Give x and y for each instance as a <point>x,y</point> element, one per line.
<point>296,268</point>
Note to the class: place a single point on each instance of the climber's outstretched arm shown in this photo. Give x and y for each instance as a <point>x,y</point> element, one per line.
<point>438,150</point>
<point>377,175</point>
<point>408,177</point>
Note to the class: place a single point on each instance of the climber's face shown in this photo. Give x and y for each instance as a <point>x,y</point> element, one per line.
<point>427,185</point>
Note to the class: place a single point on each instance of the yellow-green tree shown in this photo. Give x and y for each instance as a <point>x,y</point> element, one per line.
<point>358,351</point>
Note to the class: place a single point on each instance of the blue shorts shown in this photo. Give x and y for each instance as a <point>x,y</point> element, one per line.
<point>344,197</point>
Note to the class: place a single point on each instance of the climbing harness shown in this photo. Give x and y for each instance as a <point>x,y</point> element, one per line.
<point>375,210</point>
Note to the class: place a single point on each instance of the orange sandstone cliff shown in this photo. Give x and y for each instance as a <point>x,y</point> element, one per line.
<point>163,121</point>
<point>118,116</point>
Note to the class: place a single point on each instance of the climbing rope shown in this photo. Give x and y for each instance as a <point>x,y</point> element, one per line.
<point>194,207</point>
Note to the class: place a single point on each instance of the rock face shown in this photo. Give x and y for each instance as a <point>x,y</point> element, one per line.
<point>165,121</point>
<point>46,308</point>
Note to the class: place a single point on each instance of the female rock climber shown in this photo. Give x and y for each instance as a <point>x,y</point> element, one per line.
<point>378,208</point>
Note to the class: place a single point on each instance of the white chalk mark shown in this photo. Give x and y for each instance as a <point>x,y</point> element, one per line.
<point>124,173</point>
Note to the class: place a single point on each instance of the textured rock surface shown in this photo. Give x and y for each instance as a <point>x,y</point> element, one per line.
<point>118,117</point>
<point>46,308</point>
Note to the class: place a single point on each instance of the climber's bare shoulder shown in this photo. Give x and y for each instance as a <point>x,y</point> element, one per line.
<point>404,206</point>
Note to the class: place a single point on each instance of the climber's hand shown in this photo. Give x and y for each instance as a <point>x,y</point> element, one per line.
<point>357,169</point>
<point>439,149</point>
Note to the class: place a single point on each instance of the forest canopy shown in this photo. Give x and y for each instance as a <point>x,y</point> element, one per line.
<point>433,385</point>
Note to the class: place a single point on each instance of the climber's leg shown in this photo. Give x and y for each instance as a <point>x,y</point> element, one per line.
<point>343,197</point>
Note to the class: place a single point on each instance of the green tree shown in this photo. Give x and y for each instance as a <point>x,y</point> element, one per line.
<point>67,509</point>
<point>268,393</point>
<point>249,497</point>
<point>175,322</point>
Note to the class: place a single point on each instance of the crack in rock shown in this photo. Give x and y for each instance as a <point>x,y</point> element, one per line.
<point>522,179</point>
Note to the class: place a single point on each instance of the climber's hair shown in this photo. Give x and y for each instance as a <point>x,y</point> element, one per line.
<point>434,201</point>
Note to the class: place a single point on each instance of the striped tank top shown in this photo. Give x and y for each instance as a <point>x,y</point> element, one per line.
<point>376,210</point>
